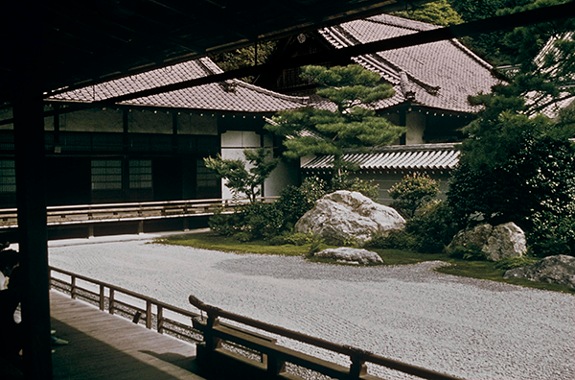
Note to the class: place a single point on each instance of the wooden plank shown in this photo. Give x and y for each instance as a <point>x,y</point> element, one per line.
<point>104,346</point>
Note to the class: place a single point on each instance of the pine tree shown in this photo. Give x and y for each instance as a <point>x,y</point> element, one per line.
<point>348,120</point>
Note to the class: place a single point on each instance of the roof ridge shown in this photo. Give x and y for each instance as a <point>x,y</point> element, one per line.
<point>471,54</point>
<point>402,22</point>
<point>304,100</point>
<point>417,147</point>
<point>345,37</point>
<point>208,65</point>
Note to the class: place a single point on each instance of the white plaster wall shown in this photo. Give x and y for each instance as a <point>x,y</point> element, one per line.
<point>233,144</point>
<point>415,122</point>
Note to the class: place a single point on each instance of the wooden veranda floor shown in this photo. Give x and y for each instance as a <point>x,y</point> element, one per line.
<point>104,346</point>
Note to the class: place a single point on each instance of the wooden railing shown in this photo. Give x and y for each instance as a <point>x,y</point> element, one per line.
<point>116,212</point>
<point>247,344</point>
<point>154,314</point>
<point>212,351</point>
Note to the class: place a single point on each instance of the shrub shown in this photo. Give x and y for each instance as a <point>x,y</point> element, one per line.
<point>296,201</point>
<point>433,227</point>
<point>398,239</point>
<point>225,224</point>
<point>298,239</point>
<point>413,191</point>
<point>315,245</point>
<point>515,262</point>
<point>261,220</point>
<point>552,234</point>
<point>368,188</point>
<point>466,252</point>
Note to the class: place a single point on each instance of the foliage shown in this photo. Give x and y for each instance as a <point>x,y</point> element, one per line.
<point>412,192</point>
<point>433,227</point>
<point>245,57</point>
<point>534,187</point>
<point>518,164</point>
<point>515,262</point>
<point>296,201</point>
<point>224,224</point>
<point>466,252</point>
<point>439,12</point>
<point>369,189</point>
<point>398,239</point>
<point>429,231</point>
<point>296,238</point>
<point>240,179</point>
<point>487,45</point>
<point>353,124</point>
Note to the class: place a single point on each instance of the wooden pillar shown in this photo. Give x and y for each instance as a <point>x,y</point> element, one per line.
<point>32,236</point>
<point>24,51</point>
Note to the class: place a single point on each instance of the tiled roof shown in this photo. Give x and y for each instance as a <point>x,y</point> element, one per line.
<point>233,95</point>
<point>438,75</point>
<point>398,157</point>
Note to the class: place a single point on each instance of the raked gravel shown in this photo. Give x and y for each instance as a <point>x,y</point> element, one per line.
<point>469,328</point>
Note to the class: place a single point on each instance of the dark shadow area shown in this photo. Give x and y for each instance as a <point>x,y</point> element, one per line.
<point>102,346</point>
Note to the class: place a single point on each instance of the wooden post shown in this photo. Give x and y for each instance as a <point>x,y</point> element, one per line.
<point>160,319</point>
<point>32,231</point>
<point>209,338</point>
<point>275,366</point>
<point>358,367</point>
<point>102,300</point>
<point>148,314</point>
<point>111,302</point>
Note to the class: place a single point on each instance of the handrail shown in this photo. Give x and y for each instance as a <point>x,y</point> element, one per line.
<point>114,212</point>
<point>358,357</point>
<point>114,303</point>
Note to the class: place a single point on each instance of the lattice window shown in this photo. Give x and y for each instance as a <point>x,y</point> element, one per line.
<point>106,175</point>
<point>140,174</point>
<point>7,176</point>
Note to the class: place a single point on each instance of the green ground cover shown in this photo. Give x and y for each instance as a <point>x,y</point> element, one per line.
<point>485,270</point>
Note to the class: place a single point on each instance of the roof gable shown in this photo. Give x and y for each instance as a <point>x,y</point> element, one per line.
<point>439,75</point>
<point>233,95</point>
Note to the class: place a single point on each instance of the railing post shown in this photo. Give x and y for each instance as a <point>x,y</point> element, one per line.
<point>209,338</point>
<point>102,297</point>
<point>111,302</point>
<point>73,287</point>
<point>275,366</point>
<point>358,367</point>
<point>148,314</point>
<point>160,321</point>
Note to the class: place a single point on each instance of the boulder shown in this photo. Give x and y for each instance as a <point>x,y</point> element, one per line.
<point>348,216</point>
<point>495,242</point>
<point>351,255</point>
<point>559,269</point>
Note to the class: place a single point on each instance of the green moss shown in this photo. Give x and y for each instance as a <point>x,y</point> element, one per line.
<point>230,244</point>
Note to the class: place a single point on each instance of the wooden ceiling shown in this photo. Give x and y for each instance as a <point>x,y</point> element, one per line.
<point>70,43</point>
<point>54,44</point>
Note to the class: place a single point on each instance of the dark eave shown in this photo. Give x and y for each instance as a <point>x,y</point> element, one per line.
<point>77,43</point>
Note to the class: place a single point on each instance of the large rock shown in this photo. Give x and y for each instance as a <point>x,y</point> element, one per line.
<point>558,269</point>
<point>348,216</point>
<point>495,242</point>
<point>350,255</point>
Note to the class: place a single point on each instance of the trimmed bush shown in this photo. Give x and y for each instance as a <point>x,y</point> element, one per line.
<point>412,192</point>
